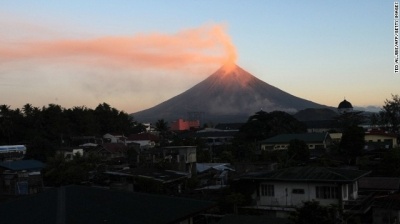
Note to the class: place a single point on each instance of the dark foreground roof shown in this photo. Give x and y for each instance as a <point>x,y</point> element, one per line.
<point>30,165</point>
<point>379,183</point>
<point>77,204</point>
<point>308,174</point>
<point>388,202</point>
<point>251,219</point>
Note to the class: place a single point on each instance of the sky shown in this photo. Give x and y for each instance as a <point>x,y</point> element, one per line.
<point>134,55</point>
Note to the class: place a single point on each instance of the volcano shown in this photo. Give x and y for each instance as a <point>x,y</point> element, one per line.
<point>230,94</point>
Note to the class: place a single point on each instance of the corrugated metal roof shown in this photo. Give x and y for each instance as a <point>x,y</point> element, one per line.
<point>308,174</point>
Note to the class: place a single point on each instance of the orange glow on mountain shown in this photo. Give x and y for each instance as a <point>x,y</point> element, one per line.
<point>207,45</point>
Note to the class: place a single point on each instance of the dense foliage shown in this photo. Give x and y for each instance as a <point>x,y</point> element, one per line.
<point>352,142</point>
<point>263,125</point>
<point>390,115</point>
<point>60,171</point>
<point>53,126</point>
<point>298,150</point>
<point>313,212</point>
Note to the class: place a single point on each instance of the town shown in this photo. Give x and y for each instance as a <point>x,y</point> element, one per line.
<point>83,165</point>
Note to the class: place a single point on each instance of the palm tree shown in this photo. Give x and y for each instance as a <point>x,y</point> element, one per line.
<point>162,128</point>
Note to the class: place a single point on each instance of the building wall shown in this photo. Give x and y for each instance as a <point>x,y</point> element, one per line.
<point>293,194</point>
<point>285,146</point>
<point>336,137</point>
<point>381,138</point>
<point>182,125</point>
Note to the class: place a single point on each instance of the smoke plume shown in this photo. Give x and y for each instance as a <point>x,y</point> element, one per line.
<point>207,45</point>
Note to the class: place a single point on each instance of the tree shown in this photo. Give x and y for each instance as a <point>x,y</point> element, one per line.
<point>298,150</point>
<point>352,142</point>
<point>113,120</point>
<point>349,119</point>
<point>235,199</point>
<point>374,119</point>
<point>390,164</point>
<point>60,171</point>
<point>391,113</point>
<point>263,125</point>
<point>311,212</point>
<point>162,128</point>
<point>226,156</point>
<point>260,126</point>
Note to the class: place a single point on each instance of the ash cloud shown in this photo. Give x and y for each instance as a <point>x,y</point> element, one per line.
<point>199,46</point>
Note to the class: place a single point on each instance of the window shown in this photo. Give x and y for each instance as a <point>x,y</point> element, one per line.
<point>298,191</point>
<point>267,190</point>
<point>326,192</point>
<point>344,190</point>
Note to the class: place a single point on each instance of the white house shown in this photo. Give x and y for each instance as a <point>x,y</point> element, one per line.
<point>281,191</point>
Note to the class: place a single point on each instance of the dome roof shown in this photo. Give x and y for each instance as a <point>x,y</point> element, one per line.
<point>345,105</point>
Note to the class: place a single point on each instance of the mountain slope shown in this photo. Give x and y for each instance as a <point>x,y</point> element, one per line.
<point>231,94</point>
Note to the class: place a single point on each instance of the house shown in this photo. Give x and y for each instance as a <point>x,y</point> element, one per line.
<point>148,180</point>
<point>180,158</point>
<point>80,204</point>
<point>21,177</point>
<point>213,175</point>
<point>336,137</point>
<point>111,151</point>
<point>114,138</point>
<point>69,153</point>
<point>281,191</point>
<point>386,206</point>
<point>216,137</point>
<point>86,140</point>
<point>146,140</point>
<point>314,141</point>
<point>379,139</point>
<point>12,152</point>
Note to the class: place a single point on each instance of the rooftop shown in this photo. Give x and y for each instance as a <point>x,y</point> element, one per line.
<point>78,204</point>
<point>31,165</point>
<point>308,174</point>
<point>379,183</point>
